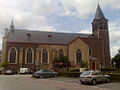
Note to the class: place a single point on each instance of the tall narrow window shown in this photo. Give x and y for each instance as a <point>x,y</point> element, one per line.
<point>13,56</point>
<point>90,51</point>
<point>79,56</point>
<point>29,56</point>
<point>44,56</point>
<point>61,53</point>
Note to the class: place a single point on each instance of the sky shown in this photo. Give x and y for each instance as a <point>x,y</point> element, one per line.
<point>72,16</point>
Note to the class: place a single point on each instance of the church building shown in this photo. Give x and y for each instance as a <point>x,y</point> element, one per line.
<point>26,48</point>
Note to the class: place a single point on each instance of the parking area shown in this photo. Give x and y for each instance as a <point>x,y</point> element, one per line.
<point>25,82</point>
<point>109,86</point>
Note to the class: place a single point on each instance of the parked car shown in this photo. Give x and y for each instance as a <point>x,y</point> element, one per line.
<point>24,70</point>
<point>94,77</point>
<point>30,71</point>
<point>0,71</point>
<point>44,74</point>
<point>11,71</point>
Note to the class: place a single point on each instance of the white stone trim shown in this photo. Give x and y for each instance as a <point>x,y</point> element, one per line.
<point>32,55</point>
<point>41,56</point>
<point>62,50</point>
<point>76,55</point>
<point>16,55</point>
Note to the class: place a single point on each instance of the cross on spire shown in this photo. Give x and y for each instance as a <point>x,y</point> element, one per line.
<point>98,1</point>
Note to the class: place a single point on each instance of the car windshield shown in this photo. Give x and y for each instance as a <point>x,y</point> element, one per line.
<point>86,73</point>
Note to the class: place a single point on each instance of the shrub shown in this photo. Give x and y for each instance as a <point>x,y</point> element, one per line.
<point>61,63</point>
<point>70,74</point>
<point>74,70</point>
<point>114,76</point>
<point>110,69</point>
<point>5,65</point>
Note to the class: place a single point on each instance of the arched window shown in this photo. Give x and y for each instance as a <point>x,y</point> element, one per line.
<point>101,26</point>
<point>61,54</point>
<point>29,56</point>
<point>12,55</point>
<point>90,51</point>
<point>45,56</point>
<point>79,56</point>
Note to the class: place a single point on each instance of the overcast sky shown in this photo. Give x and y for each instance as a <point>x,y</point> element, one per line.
<point>74,16</point>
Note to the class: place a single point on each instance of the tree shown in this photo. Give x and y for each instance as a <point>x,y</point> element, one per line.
<point>62,62</point>
<point>116,60</point>
<point>83,64</point>
<point>5,65</point>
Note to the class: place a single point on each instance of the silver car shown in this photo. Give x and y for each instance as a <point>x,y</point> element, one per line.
<point>94,77</point>
<point>44,74</point>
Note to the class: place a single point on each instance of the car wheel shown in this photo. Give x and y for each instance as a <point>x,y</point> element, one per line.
<point>55,75</point>
<point>82,82</point>
<point>94,82</point>
<point>108,80</point>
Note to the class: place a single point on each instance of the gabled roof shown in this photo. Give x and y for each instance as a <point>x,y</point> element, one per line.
<point>99,14</point>
<point>42,37</point>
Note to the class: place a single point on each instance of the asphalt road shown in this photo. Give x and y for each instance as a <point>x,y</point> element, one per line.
<point>25,82</point>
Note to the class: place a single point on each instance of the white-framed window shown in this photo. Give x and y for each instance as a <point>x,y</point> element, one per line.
<point>61,53</point>
<point>29,56</point>
<point>45,56</point>
<point>78,56</point>
<point>12,55</point>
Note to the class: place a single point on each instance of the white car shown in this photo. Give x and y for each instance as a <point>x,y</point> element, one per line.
<point>94,77</point>
<point>24,70</point>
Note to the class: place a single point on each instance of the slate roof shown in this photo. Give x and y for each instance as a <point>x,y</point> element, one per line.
<point>99,14</point>
<point>42,37</point>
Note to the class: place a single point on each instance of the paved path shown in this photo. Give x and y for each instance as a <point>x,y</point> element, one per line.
<point>25,82</point>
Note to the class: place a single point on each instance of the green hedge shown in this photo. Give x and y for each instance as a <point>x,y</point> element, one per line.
<point>110,69</point>
<point>114,76</point>
<point>70,74</point>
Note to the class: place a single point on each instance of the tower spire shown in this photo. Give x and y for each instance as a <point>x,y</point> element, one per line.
<point>12,26</point>
<point>99,14</point>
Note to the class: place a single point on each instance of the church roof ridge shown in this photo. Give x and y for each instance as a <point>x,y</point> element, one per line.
<point>26,30</point>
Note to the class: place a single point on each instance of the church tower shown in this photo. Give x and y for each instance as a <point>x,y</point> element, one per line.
<point>100,30</point>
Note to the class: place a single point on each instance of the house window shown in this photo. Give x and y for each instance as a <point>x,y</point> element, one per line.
<point>61,53</point>
<point>45,56</point>
<point>29,56</point>
<point>12,55</point>
<point>79,56</point>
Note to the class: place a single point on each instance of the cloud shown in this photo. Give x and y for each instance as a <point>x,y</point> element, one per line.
<point>35,15</point>
<point>49,7</point>
<point>83,8</point>
<point>114,31</point>
<point>114,50</point>
<point>86,31</point>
